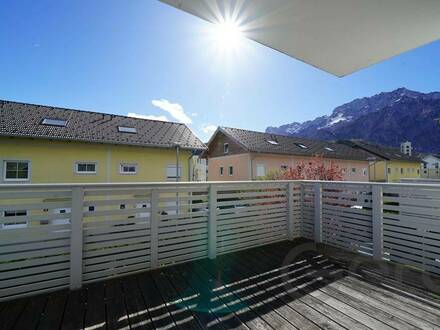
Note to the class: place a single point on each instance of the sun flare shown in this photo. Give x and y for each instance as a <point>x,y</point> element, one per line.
<point>227,36</point>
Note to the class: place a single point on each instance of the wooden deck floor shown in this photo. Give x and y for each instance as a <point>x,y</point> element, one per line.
<point>254,289</point>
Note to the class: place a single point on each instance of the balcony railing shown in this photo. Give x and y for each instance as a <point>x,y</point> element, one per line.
<point>58,236</point>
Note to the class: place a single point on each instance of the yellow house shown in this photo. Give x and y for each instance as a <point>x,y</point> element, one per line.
<point>390,164</point>
<point>40,144</point>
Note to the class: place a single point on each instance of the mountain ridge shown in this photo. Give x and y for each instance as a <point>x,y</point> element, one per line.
<point>386,118</point>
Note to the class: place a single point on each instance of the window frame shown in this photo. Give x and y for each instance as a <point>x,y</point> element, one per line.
<point>260,166</point>
<point>55,122</point>
<point>127,129</point>
<point>122,165</point>
<point>16,179</point>
<point>86,172</point>
<point>178,172</point>
<point>15,226</point>
<point>226,148</point>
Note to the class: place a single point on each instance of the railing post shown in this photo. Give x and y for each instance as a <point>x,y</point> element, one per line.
<point>318,212</point>
<point>76,238</point>
<point>154,229</point>
<point>290,217</point>
<point>212,221</point>
<point>377,221</point>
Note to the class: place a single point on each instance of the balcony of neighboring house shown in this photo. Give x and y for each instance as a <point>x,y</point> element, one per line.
<point>267,254</point>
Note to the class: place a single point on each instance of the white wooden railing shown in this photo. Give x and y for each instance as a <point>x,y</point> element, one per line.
<point>59,236</point>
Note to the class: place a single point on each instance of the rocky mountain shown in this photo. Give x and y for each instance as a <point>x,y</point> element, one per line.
<point>387,118</point>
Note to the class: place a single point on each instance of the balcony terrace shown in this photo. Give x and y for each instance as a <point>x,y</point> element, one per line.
<point>293,255</point>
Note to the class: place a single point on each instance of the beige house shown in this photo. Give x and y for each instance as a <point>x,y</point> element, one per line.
<point>237,154</point>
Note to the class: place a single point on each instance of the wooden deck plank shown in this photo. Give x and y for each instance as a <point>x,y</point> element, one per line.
<point>32,313</point>
<point>189,297</point>
<point>276,283</point>
<point>73,317</point>
<point>95,314</point>
<point>357,311</point>
<point>138,313</point>
<point>223,307</point>
<point>117,317</point>
<point>272,301</point>
<point>179,311</point>
<point>301,293</point>
<point>53,311</point>
<point>11,313</point>
<point>160,316</point>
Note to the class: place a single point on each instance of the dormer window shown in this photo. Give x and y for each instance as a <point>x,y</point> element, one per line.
<point>329,149</point>
<point>226,148</point>
<point>54,122</point>
<point>126,129</point>
<point>302,146</point>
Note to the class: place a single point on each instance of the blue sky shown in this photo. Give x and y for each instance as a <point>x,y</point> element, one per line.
<point>146,58</point>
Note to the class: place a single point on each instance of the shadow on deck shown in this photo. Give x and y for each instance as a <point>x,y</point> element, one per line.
<point>283,285</point>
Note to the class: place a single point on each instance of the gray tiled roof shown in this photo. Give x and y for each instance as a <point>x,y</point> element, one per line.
<point>388,153</point>
<point>24,120</point>
<point>258,142</point>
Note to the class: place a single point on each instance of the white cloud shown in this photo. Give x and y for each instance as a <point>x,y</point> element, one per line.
<point>207,129</point>
<point>194,114</point>
<point>174,109</point>
<point>152,117</point>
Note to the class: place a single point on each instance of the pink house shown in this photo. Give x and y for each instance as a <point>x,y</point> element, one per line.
<point>237,154</point>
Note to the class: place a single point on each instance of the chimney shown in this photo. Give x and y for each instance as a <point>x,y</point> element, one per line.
<point>406,148</point>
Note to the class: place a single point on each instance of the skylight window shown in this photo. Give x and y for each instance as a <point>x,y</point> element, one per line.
<point>329,149</point>
<point>54,122</point>
<point>275,143</point>
<point>302,146</point>
<point>126,129</point>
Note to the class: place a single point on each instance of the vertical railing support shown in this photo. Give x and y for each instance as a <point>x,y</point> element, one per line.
<point>290,217</point>
<point>154,229</point>
<point>318,211</point>
<point>377,221</point>
<point>76,238</point>
<point>212,221</point>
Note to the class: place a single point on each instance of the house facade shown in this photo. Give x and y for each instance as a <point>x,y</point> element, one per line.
<point>40,144</point>
<point>236,154</point>
<point>391,165</point>
<point>430,166</point>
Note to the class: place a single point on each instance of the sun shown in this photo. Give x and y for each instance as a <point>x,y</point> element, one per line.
<point>227,36</point>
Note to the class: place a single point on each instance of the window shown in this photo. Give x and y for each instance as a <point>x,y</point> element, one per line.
<point>54,122</point>
<point>231,170</point>
<point>128,168</point>
<point>221,170</point>
<point>353,170</point>
<point>275,143</point>
<point>91,208</point>
<point>364,171</point>
<point>126,129</point>
<point>171,172</point>
<point>389,170</point>
<point>85,168</point>
<point>329,149</point>
<point>261,170</point>
<point>226,148</point>
<point>302,146</point>
<point>16,170</point>
<point>418,171</point>
<point>14,223</point>
<point>344,170</point>
<point>401,170</point>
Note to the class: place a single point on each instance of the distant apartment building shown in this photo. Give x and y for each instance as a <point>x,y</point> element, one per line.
<point>406,148</point>
<point>237,154</point>
<point>392,164</point>
<point>430,166</point>
<point>43,144</point>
